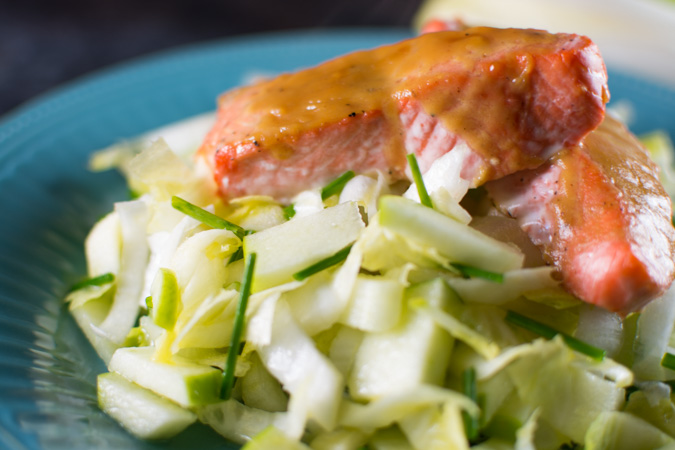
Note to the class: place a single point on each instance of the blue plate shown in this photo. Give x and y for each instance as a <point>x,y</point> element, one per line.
<point>49,201</point>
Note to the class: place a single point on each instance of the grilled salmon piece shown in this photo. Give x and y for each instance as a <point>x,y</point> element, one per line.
<point>600,214</point>
<point>513,97</point>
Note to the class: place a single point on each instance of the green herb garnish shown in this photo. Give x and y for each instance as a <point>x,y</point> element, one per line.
<point>134,194</point>
<point>469,389</point>
<point>549,333</point>
<point>474,272</point>
<point>668,361</point>
<point>236,256</point>
<point>323,264</point>
<point>238,329</point>
<point>335,186</point>
<point>206,217</point>
<point>94,281</point>
<point>289,211</point>
<point>419,181</point>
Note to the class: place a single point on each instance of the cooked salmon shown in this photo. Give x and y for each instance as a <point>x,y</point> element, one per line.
<point>513,97</point>
<point>600,215</point>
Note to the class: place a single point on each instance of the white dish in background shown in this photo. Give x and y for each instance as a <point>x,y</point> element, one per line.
<point>635,36</point>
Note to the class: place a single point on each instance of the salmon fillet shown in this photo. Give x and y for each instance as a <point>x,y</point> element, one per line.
<point>513,97</point>
<point>600,214</point>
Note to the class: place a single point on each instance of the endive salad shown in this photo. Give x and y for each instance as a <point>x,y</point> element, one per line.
<point>357,316</point>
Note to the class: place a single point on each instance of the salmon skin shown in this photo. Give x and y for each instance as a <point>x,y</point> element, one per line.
<point>601,216</point>
<point>513,97</point>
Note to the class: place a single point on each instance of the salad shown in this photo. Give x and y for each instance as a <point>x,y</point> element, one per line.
<point>359,313</point>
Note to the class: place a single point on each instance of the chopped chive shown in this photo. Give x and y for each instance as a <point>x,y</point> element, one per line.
<point>469,388</point>
<point>531,325</point>
<point>236,256</point>
<point>419,181</point>
<point>134,194</point>
<point>469,383</point>
<point>668,361</point>
<point>549,333</point>
<point>289,211</point>
<point>237,330</point>
<point>148,302</point>
<point>323,264</point>
<point>94,281</point>
<point>206,217</point>
<point>474,272</point>
<point>335,186</point>
<point>596,353</point>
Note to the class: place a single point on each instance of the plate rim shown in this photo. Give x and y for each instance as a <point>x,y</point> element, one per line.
<point>18,119</point>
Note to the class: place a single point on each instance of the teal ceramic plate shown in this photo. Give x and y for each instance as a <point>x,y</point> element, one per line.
<point>49,200</point>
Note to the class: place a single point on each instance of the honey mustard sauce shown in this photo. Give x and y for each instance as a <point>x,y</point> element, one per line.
<point>478,82</point>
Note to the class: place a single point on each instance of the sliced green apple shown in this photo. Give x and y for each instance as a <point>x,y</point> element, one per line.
<point>297,244</point>
<point>143,413</point>
<point>375,304</point>
<point>454,240</point>
<point>166,304</point>
<point>185,383</point>
<point>416,351</point>
<point>259,389</point>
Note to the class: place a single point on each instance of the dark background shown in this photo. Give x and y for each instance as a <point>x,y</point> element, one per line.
<point>44,43</point>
